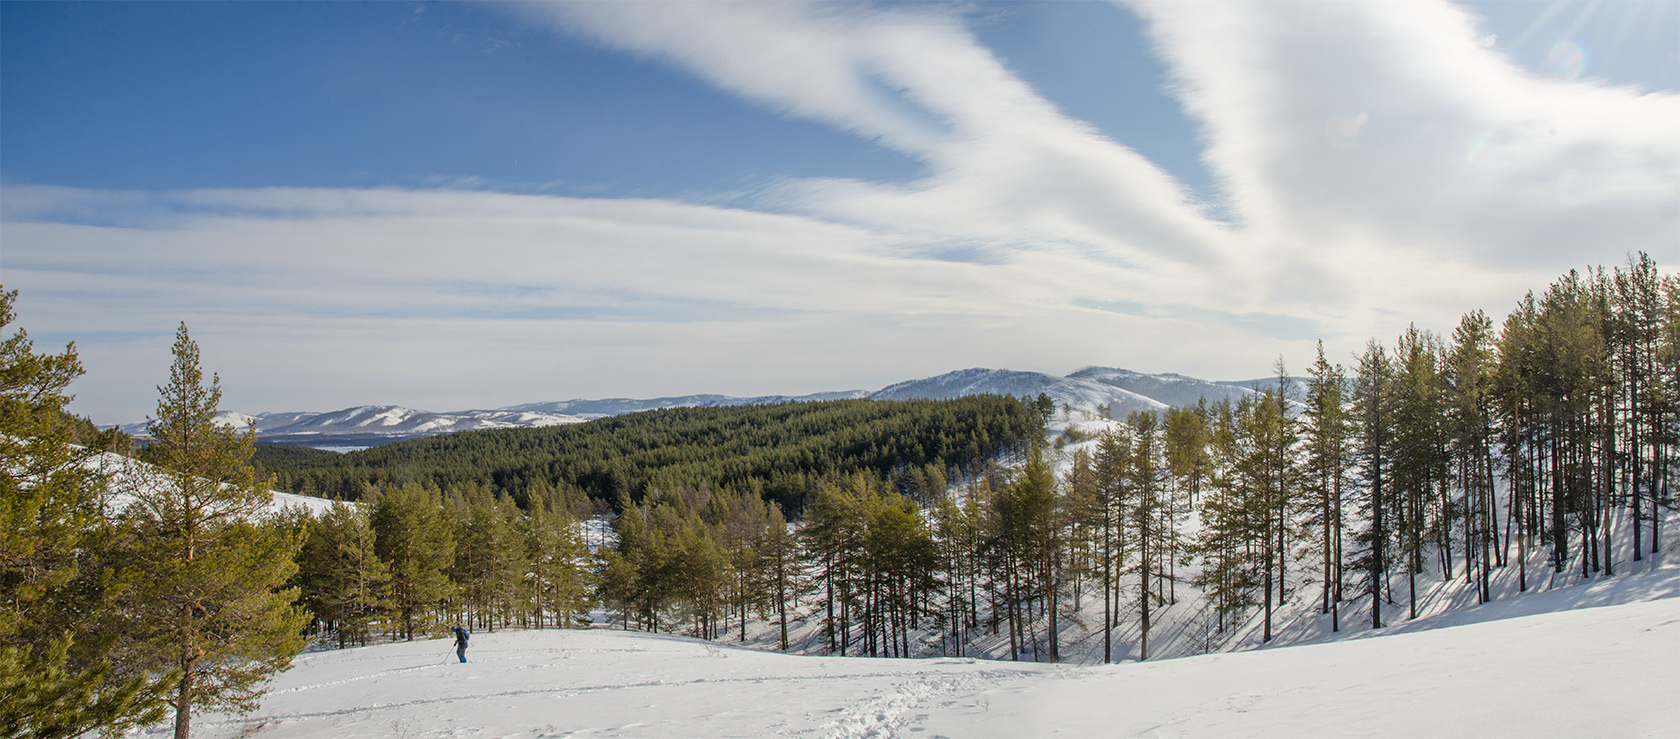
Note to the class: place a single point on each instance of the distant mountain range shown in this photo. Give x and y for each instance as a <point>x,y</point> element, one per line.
<point>1117,391</point>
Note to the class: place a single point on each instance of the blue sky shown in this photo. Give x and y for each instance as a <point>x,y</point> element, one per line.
<point>185,95</point>
<point>450,205</point>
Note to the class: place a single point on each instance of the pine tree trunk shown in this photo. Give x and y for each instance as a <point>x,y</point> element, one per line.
<point>183,702</point>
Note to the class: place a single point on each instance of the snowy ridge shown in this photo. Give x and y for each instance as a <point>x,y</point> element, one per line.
<point>1172,389</point>
<point>1076,393</point>
<point>591,409</point>
<point>1120,391</point>
<point>374,424</point>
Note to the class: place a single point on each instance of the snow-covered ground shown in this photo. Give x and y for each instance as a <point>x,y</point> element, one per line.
<point>1601,671</point>
<point>127,474</point>
<point>1572,656</point>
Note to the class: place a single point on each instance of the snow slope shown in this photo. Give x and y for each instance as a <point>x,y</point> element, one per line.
<point>128,474</point>
<point>1074,392</point>
<point>1595,672</point>
<point>1171,389</point>
<point>1605,671</point>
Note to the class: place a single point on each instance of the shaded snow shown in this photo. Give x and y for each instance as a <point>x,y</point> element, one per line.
<point>1593,672</point>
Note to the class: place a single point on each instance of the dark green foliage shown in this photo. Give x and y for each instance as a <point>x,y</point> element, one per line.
<point>490,557</point>
<point>342,580</point>
<point>55,670</point>
<point>84,433</point>
<point>417,545</point>
<point>284,455</point>
<point>48,699</point>
<point>557,581</point>
<point>787,449</point>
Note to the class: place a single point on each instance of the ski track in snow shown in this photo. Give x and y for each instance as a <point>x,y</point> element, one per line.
<point>893,707</point>
<point>404,687</point>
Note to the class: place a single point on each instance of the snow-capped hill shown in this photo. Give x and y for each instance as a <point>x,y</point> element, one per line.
<point>1121,391</point>
<point>1172,389</point>
<point>590,409</point>
<point>1075,393</point>
<point>374,424</point>
<point>529,419</point>
<point>237,420</point>
<point>362,416</point>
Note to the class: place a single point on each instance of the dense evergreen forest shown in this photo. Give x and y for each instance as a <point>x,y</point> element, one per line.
<point>782,451</point>
<point>902,529</point>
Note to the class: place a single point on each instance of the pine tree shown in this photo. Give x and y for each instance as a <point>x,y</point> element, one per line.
<point>56,676</point>
<point>417,545</point>
<point>342,580</point>
<point>1267,473</point>
<point>833,534</point>
<point>779,551</point>
<point>1419,464</point>
<point>1471,372</point>
<point>1107,508</point>
<point>1225,542</point>
<point>207,595</point>
<point>490,557</point>
<point>1025,511</point>
<point>1143,507</point>
<point>558,578</point>
<point>1373,399</point>
<point>1327,461</point>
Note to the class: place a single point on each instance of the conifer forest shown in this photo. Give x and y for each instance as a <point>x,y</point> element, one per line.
<point>1546,442</point>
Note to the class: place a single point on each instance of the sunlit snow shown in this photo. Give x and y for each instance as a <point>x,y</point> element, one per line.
<point>1605,671</point>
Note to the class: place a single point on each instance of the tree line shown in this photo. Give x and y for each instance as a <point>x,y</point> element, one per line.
<point>783,450</point>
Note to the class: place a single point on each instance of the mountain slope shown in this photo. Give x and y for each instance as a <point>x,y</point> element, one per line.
<point>1171,389</point>
<point>1077,393</point>
<point>1120,391</point>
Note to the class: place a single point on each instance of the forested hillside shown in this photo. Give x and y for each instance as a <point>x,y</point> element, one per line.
<point>782,450</point>
<point>1545,441</point>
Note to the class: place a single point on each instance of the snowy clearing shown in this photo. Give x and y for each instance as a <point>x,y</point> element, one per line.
<point>1602,671</point>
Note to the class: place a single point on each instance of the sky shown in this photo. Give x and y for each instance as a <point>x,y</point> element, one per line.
<point>472,205</point>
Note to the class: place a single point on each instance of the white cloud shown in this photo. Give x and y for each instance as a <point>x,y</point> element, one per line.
<point>449,299</point>
<point>1384,140</point>
<point>1006,168</point>
<point>1383,165</point>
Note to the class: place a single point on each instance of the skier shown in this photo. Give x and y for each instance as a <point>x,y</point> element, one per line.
<point>461,643</point>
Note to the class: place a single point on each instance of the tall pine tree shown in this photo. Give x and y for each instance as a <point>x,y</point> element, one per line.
<point>207,592</point>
